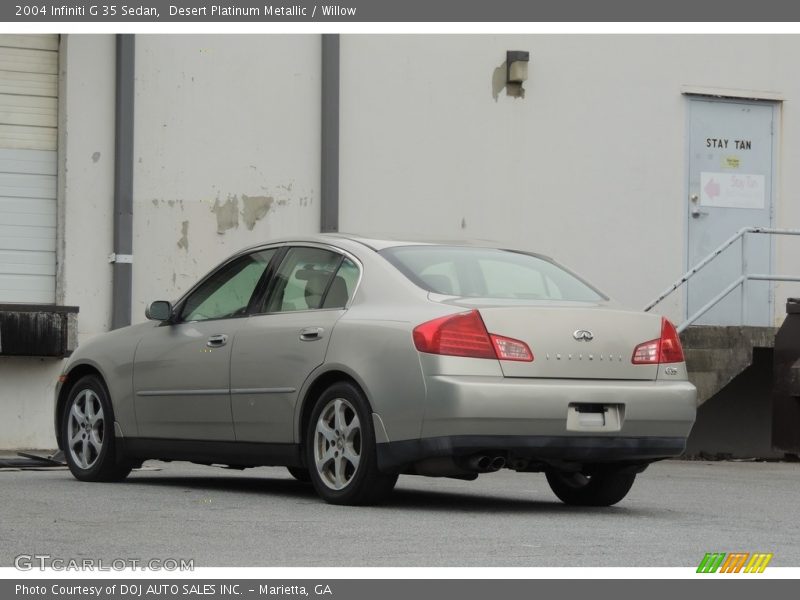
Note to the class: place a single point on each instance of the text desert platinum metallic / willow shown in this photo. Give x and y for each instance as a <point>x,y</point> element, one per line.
<point>269,10</point>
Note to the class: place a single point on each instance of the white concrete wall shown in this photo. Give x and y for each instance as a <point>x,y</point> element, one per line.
<point>85,198</point>
<point>26,399</point>
<point>589,167</point>
<point>227,152</point>
<point>86,179</point>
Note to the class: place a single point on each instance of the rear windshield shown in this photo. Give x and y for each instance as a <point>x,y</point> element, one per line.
<point>488,273</point>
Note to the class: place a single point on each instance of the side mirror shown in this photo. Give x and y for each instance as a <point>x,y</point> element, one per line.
<point>160,310</point>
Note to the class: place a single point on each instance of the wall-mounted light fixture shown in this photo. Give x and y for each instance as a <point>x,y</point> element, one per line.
<point>517,66</point>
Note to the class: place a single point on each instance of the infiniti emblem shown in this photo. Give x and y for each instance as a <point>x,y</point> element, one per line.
<point>583,335</point>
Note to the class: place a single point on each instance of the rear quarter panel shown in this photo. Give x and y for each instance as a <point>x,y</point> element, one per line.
<point>382,358</point>
<point>373,342</point>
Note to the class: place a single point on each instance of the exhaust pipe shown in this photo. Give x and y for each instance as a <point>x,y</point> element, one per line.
<point>498,463</point>
<point>480,463</point>
<point>485,464</point>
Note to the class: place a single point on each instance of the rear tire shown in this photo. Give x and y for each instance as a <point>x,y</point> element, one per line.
<point>599,488</point>
<point>87,433</point>
<point>340,449</point>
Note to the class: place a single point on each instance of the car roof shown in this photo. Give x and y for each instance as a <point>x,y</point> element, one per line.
<point>378,243</point>
<point>381,242</point>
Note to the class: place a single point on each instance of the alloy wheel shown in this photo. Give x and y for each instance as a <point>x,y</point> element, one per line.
<point>85,429</point>
<point>337,444</point>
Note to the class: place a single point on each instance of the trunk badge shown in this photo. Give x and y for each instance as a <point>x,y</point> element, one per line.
<point>583,335</point>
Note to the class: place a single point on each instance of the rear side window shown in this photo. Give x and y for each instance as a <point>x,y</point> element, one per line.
<point>309,279</point>
<point>343,285</point>
<point>488,273</point>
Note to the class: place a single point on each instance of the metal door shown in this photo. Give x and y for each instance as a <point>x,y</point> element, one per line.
<point>273,356</point>
<point>182,381</point>
<point>28,165</point>
<point>276,351</point>
<point>182,369</point>
<point>731,147</point>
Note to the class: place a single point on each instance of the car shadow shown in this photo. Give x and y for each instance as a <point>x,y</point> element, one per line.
<point>434,500</point>
<point>246,485</point>
<point>400,499</point>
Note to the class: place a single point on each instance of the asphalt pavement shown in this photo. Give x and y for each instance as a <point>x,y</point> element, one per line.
<point>675,513</point>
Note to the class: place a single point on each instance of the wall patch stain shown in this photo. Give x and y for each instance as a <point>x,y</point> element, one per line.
<point>95,157</point>
<point>255,208</point>
<point>184,241</point>
<point>227,214</point>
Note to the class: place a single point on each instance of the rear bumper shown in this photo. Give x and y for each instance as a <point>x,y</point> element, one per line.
<point>394,456</point>
<point>543,420</point>
<point>464,405</point>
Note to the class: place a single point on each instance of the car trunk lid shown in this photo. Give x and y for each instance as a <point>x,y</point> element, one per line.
<point>574,341</point>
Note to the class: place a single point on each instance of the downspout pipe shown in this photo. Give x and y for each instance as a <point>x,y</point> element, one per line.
<point>122,258</point>
<point>329,163</point>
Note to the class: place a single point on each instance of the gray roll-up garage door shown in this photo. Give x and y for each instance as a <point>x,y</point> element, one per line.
<point>28,138</point>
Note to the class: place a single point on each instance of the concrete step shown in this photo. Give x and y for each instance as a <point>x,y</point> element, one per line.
<point>713,336</point>
<point>715,355</point>
<point>708,359</point>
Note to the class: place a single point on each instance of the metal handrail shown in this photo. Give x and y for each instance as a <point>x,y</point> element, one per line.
<point>740,281</point>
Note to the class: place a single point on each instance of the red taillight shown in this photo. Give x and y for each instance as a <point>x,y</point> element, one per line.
<point>465,334</point>
<point>671,349</point>
<point>666,349</point>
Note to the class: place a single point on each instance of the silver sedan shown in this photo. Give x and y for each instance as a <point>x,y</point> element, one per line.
<point>352,360</point>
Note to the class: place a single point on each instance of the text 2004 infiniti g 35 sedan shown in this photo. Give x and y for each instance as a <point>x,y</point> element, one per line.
<point>353,360</point>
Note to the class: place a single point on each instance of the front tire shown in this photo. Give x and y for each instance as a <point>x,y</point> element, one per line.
<point>599,488</point>
<point>340,449</point>
<point>87,433</point>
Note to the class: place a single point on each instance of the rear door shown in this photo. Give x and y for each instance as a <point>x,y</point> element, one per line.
<point>277,348</point>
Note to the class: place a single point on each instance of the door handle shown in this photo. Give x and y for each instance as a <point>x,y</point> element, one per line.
<point>217,341</point>
<point>696,212</point>
<point>309,334</point>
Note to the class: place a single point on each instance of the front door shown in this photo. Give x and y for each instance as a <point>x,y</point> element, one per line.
<point>731,160</point>
<point>182,383</point>
<point>182,368</point>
